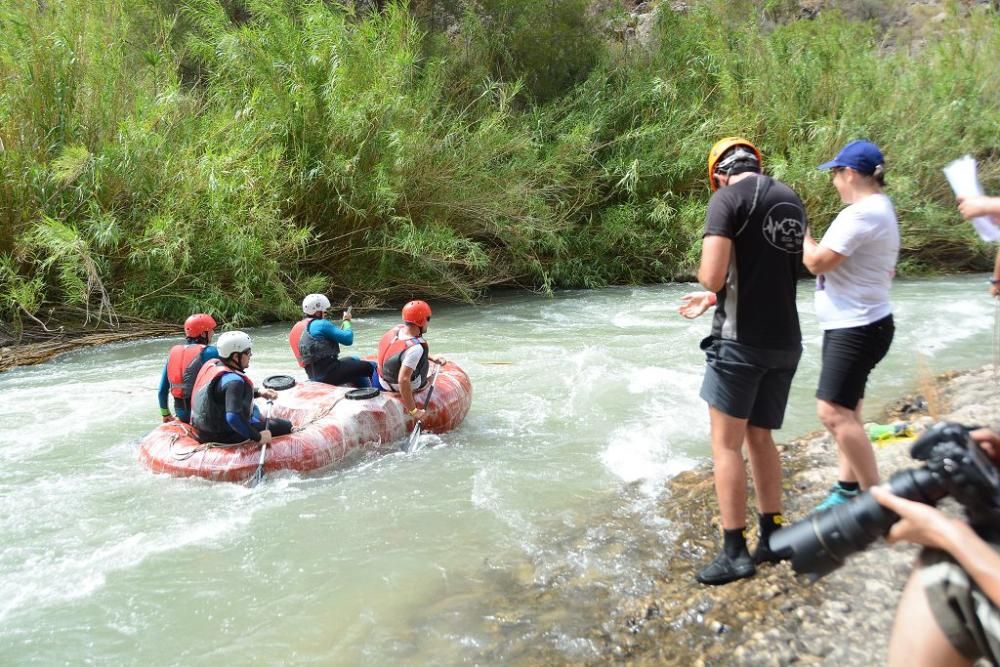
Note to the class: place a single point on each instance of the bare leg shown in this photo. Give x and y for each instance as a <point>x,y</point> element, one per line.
<point>857,455</point>
<point>766,466</point>
<point>728,467</point>
<point>917,640</point>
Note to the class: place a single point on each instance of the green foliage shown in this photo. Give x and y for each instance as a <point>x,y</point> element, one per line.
<point>550,45</point>
<point>167,156</point>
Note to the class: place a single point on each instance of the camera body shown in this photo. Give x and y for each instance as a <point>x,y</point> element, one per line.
<point>955,466</point>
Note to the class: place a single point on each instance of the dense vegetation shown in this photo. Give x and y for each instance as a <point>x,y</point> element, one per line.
<point>166,156</point>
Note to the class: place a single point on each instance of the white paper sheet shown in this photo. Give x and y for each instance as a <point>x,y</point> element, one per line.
<point>961,175</point>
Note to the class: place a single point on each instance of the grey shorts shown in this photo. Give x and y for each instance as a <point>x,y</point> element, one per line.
<point>963,612</point>
<point>748,382</point>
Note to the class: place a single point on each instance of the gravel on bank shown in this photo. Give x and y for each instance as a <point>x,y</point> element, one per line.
<point>776,617</point>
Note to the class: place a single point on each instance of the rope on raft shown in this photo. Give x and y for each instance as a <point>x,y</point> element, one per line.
<point>206,446</point>
<point>202,447</point>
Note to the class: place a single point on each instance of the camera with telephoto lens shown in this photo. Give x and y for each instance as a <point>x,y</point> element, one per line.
<point>955,466</point>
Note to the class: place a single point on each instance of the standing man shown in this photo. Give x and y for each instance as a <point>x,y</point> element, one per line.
<point>750,257</point>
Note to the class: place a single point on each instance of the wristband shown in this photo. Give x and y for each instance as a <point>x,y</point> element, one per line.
<point>164,412</point>
<point>346,325</point>
<point>994,281</point>
<point>712,299</point>
<point>414,411</point>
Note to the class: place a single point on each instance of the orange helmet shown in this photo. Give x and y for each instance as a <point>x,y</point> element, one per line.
<point>198,325</point>
<point>417,312</point>
<point>720,148</point>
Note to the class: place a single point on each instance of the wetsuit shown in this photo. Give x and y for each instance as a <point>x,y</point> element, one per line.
<point>223,409</point>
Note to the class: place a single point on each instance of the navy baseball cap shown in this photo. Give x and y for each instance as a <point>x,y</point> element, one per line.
<point>860,155</point>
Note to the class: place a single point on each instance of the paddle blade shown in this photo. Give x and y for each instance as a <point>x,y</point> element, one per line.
<point>258,475</point>
<point>411,444</point>
<point>256,478</point>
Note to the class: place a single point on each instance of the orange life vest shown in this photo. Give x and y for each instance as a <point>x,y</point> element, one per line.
<point>390,355</point>
<point>181,371</point>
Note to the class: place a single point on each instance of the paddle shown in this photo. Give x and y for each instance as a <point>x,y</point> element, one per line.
<point>258,475</point>
<point>418,427</point>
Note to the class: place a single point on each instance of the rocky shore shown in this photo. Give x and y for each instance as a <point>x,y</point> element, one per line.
<point>578,604</point>
<point>777,618</point>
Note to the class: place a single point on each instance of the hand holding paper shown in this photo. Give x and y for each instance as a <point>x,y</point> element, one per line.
<point>961,175</point>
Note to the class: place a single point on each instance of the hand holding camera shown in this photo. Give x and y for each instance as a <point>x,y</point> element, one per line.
<point>956,466</point>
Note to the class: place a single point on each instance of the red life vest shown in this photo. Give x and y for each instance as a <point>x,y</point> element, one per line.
<point>294,336</point>
<point>181,359</point>
<point>390,355</point>
<point>208,415</point>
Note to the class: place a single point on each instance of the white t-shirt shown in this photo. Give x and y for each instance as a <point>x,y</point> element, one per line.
<point>410,359</point>
<point>856,293</point>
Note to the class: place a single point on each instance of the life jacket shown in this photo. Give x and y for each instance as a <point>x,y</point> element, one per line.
<point>208,414</point>
<point>183,365</point>
<point>311,350</point>
<point>390,355</point>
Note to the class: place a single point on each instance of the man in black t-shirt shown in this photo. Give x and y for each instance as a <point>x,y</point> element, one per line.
<point>751,251</point>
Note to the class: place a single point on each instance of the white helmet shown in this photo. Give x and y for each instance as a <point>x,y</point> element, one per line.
<point>315,303</point>
<point>232,341</point>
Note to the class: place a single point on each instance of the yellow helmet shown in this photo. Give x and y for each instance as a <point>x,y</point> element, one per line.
<point>720,148</point>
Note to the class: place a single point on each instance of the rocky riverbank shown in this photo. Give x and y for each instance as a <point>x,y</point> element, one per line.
<point>776,618</point>
<point>577,604</point>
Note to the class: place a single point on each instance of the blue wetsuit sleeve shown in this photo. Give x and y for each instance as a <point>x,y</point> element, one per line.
<point>235,390</point>
<point>238,424</point>
<point>164,392</point>
<point>210,352</point>
<point>327,329</point>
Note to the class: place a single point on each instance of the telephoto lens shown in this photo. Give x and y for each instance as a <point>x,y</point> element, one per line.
<point>820,543</point>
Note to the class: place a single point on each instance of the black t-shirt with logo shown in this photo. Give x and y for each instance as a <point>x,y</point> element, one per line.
<point>766,221</point>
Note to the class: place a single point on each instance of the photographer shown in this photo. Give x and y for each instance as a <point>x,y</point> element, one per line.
<point>948,613</point>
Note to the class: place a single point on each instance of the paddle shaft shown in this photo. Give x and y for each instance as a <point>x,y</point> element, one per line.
<point>418,427</point>
<point>258,475</point>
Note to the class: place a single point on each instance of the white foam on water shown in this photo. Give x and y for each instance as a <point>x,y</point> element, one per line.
<point>487,495</point>
<point>49,578</point>
<point>941,325</point>
<point>641,452</point>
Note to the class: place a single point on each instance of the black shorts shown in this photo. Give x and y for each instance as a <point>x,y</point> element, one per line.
<point>748,382</point>
<point>849,355</point>
<point>968,618</point>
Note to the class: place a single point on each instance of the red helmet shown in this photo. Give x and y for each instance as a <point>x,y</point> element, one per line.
<point>198,325</point>
<point>417,312</point>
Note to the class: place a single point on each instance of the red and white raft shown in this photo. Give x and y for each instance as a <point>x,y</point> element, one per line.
<point>330,431</point>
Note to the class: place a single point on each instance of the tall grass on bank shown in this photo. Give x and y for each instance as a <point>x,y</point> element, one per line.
<point>166,156</point>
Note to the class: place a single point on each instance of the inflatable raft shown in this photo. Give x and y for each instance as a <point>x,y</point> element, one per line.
<point>330,430</point>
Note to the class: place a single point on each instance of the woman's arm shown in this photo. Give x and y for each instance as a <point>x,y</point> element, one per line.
<point>817,258</point>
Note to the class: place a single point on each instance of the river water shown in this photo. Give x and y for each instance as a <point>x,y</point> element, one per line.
<point>584,405</point>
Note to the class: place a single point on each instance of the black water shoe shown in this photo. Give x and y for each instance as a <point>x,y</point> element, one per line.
<point>763,554</point>
<point>724,569</point>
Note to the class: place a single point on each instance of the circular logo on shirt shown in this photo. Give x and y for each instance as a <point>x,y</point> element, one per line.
<point>784,227</point>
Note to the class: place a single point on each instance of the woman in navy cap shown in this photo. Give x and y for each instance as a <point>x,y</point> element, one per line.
<point>854,264</point>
